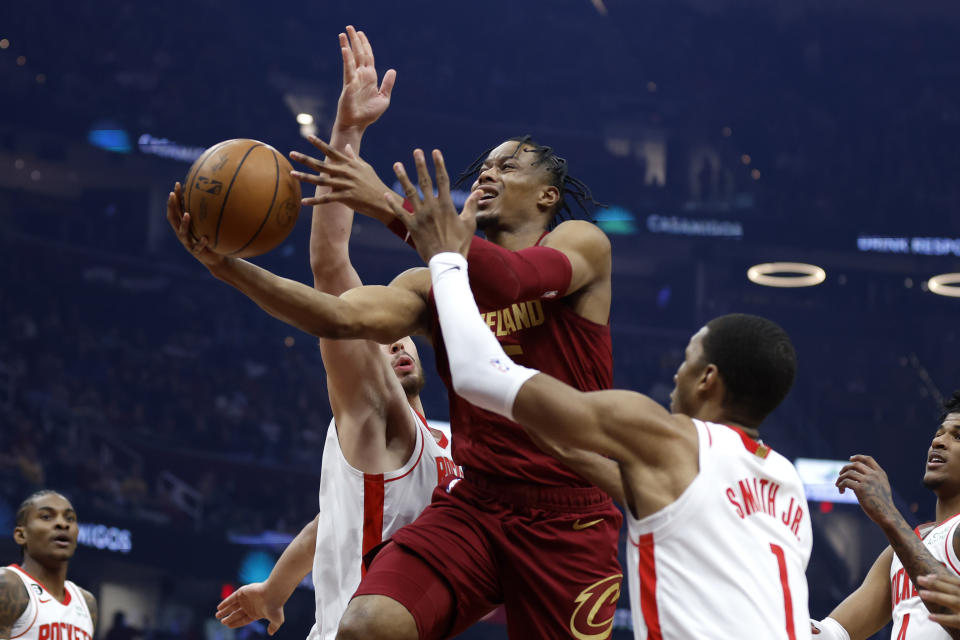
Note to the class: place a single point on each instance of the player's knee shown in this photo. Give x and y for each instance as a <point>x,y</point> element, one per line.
<point>376,618</point>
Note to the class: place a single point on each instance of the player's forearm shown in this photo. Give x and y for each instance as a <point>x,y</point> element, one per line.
<point>292,302</point>
<point>480,370</point>
<point>330,229</point>
<point>295,562</point>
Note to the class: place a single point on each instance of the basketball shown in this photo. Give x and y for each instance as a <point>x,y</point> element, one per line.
<point>240,195</point>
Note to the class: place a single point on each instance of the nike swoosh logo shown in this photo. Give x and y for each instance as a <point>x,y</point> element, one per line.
<point>579,526</point>
<point>42,601</point>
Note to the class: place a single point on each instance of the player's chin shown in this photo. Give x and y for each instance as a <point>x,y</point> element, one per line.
<point>932,479</point>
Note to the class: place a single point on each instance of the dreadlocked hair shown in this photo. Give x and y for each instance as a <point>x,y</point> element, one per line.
<point>570,188</point>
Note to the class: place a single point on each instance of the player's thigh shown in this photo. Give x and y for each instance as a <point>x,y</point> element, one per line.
<point>376,617</point>
<point>564,577</point>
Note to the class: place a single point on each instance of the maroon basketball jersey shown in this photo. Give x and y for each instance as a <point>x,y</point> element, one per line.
<point>543,334</point>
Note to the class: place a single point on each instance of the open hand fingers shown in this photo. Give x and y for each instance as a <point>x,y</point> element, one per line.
<point>865,460</point>
<point>469,213</point>
<point>389,79</point>
<point>237,619</point>
<point>409,190</point>
<point>349,64</point>
<point>365,48</point>
<point>355,45</point>
<point>423,174</point>
<point>329,152</point>
<point>395,203</point>
<point>443,178</point>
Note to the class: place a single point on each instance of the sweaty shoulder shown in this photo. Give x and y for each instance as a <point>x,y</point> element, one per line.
<point>13,600</point>
<point>579,235</point>
<point>416,279</point>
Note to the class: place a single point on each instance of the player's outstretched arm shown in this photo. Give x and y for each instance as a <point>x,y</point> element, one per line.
<point>265,600</point>
<point>866,610</point>
<point>13,601</point>
<point>944,591</point>
<point>867,479</point>
<point>363,389</point>
<point>383,314</point>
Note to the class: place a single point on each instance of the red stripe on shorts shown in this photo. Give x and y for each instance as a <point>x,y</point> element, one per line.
<point>648,587</point>
<point>372,515</point>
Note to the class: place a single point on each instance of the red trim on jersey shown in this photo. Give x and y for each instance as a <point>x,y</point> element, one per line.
<point>443,442</point>
<point>709,435</point>
<point>423,445</point>
<point>372,515</point>
<point>648,586</point>
<point>756,448</point>
<point>66,598</point>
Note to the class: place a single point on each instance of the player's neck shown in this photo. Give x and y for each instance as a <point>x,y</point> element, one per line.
<point>516,238</point>
<point>947,507</point>
<point>415,403</point>
<point>52,579</point>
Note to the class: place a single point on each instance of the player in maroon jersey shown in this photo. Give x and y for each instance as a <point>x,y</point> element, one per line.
<point>522,527</point>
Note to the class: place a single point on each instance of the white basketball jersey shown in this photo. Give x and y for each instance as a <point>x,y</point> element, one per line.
<point>360,510</point>
<point>46,618</point>
<point>728,558</point>
<point>911,620</point>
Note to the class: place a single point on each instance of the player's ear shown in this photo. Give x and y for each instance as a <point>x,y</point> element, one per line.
<point>710,380</point>
<point>20,535</point>
<point>549,198</point>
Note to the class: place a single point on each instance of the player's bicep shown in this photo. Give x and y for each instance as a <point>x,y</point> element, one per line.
<point>866,610</point>
<point>13,601</point>
<point>586,247</point>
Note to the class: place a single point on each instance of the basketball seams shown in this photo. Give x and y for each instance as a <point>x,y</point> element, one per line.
<point>192,178</point>
<point>226,196</point>
<point>273,200</point>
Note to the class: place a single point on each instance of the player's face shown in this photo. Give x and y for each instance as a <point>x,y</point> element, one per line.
<point>513,187</point>
<point>405,362</point>
<point>943,457</point>
<point>50,532</point>
<point>683,398</point>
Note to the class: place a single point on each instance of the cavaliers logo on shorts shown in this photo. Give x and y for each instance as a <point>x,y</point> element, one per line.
<point>590,605</point>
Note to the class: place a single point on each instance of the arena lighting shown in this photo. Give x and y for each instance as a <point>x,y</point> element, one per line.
<point>945,284</point>
<point>304,119</point>
<point>802,274</point>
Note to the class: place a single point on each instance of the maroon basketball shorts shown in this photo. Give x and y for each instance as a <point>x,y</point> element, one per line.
<point>549,554</point>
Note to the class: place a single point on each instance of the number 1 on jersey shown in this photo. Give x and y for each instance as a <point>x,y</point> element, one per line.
<point>787,600</point>
<point>903,628</point>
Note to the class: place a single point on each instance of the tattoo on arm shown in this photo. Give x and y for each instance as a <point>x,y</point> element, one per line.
<point>13,601</point>
<point>92,605</point>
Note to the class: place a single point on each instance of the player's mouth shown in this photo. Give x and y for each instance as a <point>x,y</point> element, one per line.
<point>935,461</point>
<point>403,364</point>
<point>489,194</point>
<point>62,541</point>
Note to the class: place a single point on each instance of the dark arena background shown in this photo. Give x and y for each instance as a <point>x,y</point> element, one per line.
<point>187,426</point>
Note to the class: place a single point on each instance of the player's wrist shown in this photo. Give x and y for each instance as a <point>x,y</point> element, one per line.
<point>343,134</point>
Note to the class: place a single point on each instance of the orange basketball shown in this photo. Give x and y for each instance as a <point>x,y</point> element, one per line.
<point>240,195</point>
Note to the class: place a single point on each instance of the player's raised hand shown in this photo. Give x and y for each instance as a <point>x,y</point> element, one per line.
<point>943,590</point>
<point>435,226</point>
<point>352,181</point>
<point>361,100</point>
<point>869,482</point>
<point>248,603</point>
<point>180,222</point>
